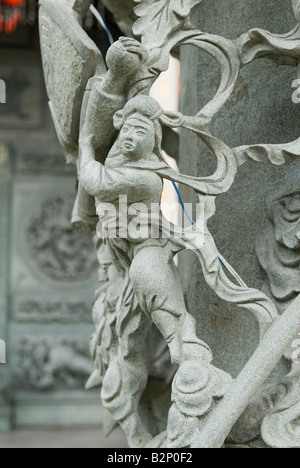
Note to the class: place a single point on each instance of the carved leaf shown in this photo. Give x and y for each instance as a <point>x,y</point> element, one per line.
<point>160,18</point>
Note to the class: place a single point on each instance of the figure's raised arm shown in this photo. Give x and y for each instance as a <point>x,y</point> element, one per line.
<point>108,95</point>
<point>124,59</point>
<point>91,172</point>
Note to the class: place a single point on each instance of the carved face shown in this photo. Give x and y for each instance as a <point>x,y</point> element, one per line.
<point>287,221</point>
<point>137,138</point>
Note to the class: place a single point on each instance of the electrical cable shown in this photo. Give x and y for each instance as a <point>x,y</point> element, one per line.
<point>182,204</point>
<point>98,16</point>
<point>222,260</point>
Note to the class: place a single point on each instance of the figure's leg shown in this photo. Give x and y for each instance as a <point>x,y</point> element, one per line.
<point>156,283</point>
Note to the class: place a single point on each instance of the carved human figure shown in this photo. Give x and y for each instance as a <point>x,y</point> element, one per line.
<point>133,169</point>
<point>120,155</point>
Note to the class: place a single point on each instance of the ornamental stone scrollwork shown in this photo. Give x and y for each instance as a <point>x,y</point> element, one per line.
<point>49,364</point>
<point>114,133</point>
<point>54,247</point>
<point>51,310</point>
<point>278,250</point>
<point>278,246</point>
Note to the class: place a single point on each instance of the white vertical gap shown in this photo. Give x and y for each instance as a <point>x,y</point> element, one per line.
<point>166,91</point>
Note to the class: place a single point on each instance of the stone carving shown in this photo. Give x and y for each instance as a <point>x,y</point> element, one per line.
<point>46,364</point>
<point>280,428</point>
<point>47,311</point>
<point>278,250</point>
<point>104,341</point>
<point>278,246</point>
<point>55,248</point>
<point>84,60</point>
<point>272,418</point>
<point>116,142</point>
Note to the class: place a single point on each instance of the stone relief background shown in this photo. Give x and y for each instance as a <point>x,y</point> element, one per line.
<point>48,273</point>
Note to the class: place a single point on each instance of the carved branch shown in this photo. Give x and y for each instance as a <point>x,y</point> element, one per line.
<point>218,425</point>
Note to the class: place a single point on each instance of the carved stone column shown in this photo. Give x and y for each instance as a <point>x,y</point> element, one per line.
<point>260,110</point>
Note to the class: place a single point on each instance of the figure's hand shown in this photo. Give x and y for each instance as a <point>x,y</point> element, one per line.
<point>124,57</point>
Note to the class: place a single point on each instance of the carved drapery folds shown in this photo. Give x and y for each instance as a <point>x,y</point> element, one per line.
<point>278,246</point>
<point>278,250</point>
<point>116,144</point>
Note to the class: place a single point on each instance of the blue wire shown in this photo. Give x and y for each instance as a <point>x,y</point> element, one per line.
<point>182,204</point>
<point>107,32</point>
<point>98,15</point>
<point>183,207</point>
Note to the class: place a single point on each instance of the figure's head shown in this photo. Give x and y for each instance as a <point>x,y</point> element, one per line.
<point>140,130</point>
<point>137,137</point>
